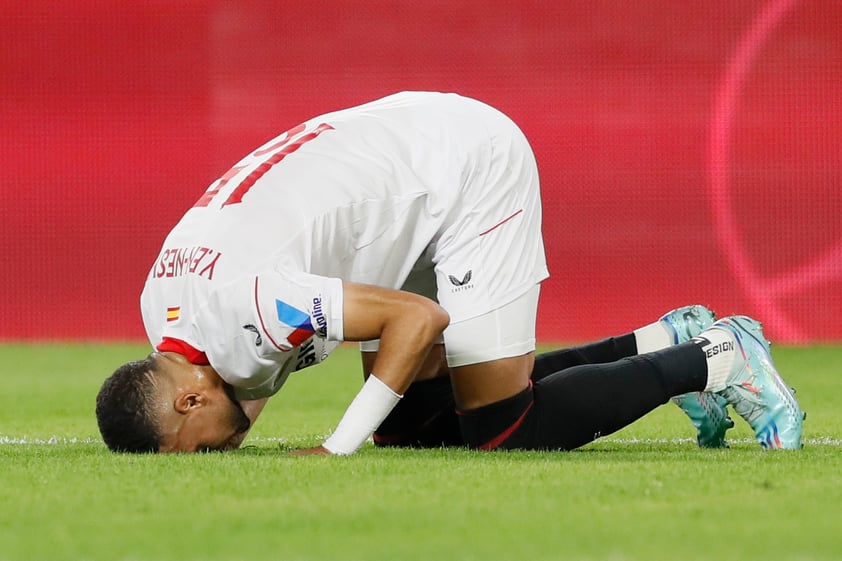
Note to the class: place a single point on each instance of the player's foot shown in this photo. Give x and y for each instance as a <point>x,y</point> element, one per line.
<point>708,412</point>
<point>755,388</point>
<point>687,322</point>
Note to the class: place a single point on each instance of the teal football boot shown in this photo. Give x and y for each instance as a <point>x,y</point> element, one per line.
<point>755,389</point>
<point>707,411</point>
<point>687,322</point>
<point>709,414</point>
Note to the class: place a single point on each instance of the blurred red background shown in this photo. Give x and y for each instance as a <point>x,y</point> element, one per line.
<point>690,152</point>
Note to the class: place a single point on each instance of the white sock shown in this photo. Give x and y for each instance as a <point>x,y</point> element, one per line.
<point>653,337</point>
<point>720,348</point>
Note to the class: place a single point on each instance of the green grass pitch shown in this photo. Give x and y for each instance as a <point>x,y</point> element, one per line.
<point>645,493</point>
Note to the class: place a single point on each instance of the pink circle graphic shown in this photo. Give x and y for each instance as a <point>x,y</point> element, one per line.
<point>763,292</point>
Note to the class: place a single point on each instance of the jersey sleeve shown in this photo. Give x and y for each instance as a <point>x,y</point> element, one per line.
<point>257,330</point>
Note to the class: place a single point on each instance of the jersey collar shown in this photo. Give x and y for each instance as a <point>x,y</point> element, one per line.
<point>172,345</point>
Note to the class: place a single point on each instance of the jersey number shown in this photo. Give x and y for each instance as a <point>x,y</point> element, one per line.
<point>279,150</point>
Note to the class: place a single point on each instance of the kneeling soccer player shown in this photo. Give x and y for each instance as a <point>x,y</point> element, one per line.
<point>319,237</point>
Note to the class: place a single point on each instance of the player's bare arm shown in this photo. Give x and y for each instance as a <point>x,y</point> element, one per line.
<point>434,366</point>
<point>407,325</point>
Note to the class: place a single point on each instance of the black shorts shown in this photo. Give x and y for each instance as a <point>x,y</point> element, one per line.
<point>424,418</point>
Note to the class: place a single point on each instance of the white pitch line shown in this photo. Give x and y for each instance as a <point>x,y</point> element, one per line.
<point>818,441</point>
<point>25,440</point>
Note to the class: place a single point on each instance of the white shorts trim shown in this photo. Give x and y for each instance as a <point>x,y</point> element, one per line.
<point>505,332</point>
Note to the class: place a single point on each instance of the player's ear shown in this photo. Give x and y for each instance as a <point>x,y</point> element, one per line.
<point>186,401</point>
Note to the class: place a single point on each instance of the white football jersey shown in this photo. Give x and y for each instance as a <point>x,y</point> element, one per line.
<point>252,274</point>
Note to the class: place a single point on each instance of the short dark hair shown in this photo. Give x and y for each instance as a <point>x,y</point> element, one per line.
<point>125,409</point>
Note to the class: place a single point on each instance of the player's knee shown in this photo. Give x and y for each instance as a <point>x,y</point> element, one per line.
<point>503,424</point>
<point>424,418</point>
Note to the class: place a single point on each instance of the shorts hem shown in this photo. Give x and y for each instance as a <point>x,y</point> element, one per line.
<point>488,355</point>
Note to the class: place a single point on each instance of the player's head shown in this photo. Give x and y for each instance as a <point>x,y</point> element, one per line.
<point>166,404</point>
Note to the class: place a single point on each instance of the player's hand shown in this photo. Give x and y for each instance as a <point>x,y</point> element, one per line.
<point>315,451</point>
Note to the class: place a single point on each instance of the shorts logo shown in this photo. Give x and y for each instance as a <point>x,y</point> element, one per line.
<point>299,321</point>
<point>173,313</point>
<point>463,284</point>
<point>258,340</point>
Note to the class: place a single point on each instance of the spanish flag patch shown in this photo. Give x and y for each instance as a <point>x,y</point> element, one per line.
<point>173,313</point>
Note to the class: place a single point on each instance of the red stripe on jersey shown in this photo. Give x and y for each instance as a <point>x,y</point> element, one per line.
<point>299,336</point>
<point>260,318</point>
<point>194,355</point>
<point>501,223</point>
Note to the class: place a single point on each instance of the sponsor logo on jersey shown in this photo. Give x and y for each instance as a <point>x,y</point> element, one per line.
<point>306,355</point>
<point>258,340</point>
<point>173,313</point>
<point>319,316</point>
<point>299,321</point>
<point>463,284</point>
